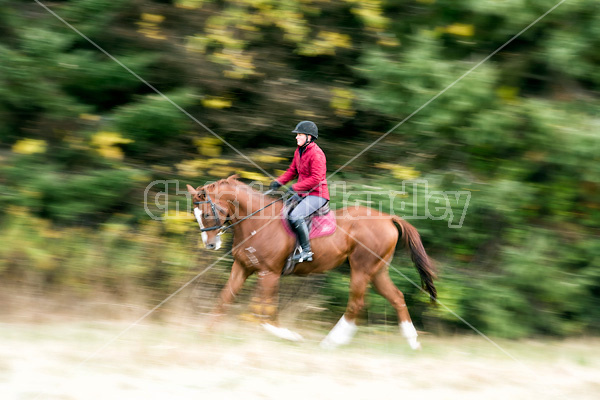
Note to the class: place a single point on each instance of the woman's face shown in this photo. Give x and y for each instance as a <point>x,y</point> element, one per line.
<point>301,139</point>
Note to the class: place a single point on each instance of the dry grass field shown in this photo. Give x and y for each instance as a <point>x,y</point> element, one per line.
<point>78,359</point>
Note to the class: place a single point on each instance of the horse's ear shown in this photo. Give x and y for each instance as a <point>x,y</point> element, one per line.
<point>233,177</point>
<point>192,191</point>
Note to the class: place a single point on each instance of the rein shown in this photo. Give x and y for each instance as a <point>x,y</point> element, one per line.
<point>248,216</point>
<point>224,228</point>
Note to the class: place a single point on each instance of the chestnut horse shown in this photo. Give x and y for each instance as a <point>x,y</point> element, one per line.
<point>364,237</point>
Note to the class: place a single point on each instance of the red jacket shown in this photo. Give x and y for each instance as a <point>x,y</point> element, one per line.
<point>311,170</point>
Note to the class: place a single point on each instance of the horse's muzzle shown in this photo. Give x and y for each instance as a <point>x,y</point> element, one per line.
<point>213,244</point>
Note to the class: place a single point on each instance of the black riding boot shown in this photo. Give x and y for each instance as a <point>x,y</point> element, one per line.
<point>301,230</point>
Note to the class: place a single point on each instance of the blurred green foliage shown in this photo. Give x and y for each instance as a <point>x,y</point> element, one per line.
<point>81,138</point>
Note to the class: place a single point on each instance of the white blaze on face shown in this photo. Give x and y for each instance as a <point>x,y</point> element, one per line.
<point>198,215</point>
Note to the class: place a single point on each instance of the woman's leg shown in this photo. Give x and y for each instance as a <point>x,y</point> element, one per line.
<point>307,206</point>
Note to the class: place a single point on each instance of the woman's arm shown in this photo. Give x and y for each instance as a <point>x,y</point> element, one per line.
<point>291,172</point>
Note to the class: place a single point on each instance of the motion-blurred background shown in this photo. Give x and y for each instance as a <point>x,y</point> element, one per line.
<point>81,138</point>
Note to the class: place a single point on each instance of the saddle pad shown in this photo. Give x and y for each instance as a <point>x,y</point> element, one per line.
<point>320,225</point>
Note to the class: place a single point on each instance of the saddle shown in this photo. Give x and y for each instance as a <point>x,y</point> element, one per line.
<point>320,223</point>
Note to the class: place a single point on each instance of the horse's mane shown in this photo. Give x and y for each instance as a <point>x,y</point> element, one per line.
<point>232,181</point>
<point>256,197</point>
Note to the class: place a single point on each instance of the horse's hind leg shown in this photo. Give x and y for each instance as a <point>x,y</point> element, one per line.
<point>384,285</point>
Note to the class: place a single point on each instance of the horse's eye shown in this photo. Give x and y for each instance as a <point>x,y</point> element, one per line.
<point>206,215</point>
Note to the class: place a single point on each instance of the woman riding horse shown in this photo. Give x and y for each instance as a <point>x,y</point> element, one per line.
<point>311,193</point>
<point>365,238</point>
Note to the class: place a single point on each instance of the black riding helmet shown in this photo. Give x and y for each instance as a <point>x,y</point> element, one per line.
<point>308,128</point>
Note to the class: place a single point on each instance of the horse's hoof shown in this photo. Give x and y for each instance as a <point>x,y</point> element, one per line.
<point>282,333</point>
<point>410,333</point>
<point>414,344</point>
<point>341,334</point>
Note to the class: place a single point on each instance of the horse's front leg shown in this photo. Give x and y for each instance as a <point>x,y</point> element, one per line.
<point>267,306</point>
<point>265,303</point>
<point>238,276</point>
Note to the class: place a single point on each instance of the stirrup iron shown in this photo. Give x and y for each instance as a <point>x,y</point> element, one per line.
<point>303,256</point>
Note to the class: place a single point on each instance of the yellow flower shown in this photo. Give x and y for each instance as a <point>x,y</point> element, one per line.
<point>221,171</point>
<point>104,138</point>
<point>216,102</point>
<point>234,74</point>
<point>209,146</point>
<point>326,43</point>
<point>461,29</point>
<point>191,168</point>
<point>218,161</point>
<point>305,114</point>
<point>149,26</point>
<point>29,146</point>
<point>400,171</point>
<point>253,176</point>
<point>106,143</point>
<point>178,222</point>
<point>341,102</point>
<point>153,18</point>
<point>189,4</point>
<point>111,152</point>
<point>266,158</point>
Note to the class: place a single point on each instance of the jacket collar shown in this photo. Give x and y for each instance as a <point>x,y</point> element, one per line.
<point>303,149</point>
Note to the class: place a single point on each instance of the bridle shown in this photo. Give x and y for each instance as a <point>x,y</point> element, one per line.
<point>213,207</point>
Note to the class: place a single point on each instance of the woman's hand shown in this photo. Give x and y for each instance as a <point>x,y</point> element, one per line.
<point>275,185</point>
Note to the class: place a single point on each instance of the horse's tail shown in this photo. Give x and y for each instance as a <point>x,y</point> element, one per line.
<point>412,241</point>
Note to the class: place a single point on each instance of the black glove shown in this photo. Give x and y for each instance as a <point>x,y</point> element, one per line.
<point>293,196</point>
<point>275,185</point>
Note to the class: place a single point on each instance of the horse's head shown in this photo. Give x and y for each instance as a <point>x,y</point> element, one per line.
<point>211,213</point>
